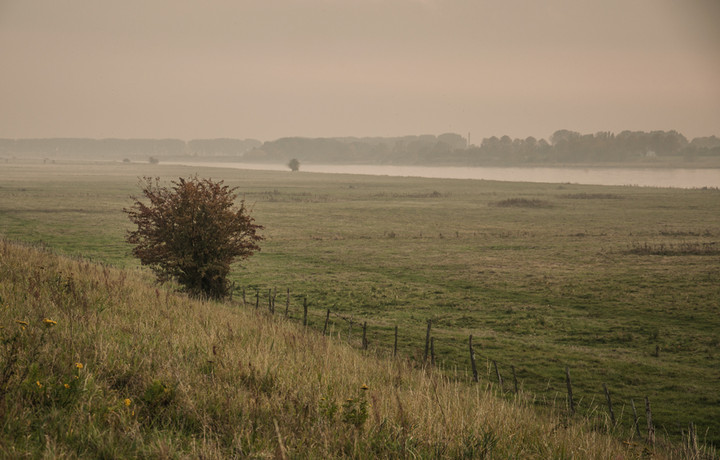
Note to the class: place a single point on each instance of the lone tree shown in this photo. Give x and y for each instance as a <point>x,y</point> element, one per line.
<point>294,164</point>
<point>192,232</point>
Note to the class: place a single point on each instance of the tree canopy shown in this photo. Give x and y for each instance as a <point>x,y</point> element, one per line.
<point>294,164</point>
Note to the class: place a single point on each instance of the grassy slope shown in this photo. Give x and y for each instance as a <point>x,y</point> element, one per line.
<point>166,377</point>
<point>539,288</point>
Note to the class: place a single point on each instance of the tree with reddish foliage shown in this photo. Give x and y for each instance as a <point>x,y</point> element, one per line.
<point>192,232</point>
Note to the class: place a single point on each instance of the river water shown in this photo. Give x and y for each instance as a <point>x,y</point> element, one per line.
<point>645,177</point>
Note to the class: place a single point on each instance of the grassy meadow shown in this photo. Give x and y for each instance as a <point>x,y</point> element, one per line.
<point>619,284</point>
<point>97,363</point>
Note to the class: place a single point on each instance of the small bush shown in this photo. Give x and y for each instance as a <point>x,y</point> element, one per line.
<point>192,232</point>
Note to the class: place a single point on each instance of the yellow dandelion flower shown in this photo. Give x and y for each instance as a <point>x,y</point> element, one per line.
<point>49,323</point>
<point>127,402</point>
<point>66,385</point>
<point>364,387</point>
<point>22,323</point>
<point>79,365</point>
<point>38,384</point>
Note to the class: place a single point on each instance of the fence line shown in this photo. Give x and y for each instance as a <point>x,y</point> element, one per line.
<point>429,353</point>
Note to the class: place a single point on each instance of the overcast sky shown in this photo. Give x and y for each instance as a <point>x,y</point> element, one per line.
<point>318,68</point>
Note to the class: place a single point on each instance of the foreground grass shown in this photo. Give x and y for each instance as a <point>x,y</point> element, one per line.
<point>620,284</point>
<point>98,364</point>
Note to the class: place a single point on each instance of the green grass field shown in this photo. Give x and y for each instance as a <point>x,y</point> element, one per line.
<point>620,284</point>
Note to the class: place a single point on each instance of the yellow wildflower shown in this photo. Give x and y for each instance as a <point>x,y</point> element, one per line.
<point>79,365</point>
<point>127,402</point>
<point>364,387</point>
<point>66,385</point>
<point>22,323</point>
<point>38,384</point>
<point>49,323</point>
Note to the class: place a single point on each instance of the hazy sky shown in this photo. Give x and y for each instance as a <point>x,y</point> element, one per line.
<point>318,68</point>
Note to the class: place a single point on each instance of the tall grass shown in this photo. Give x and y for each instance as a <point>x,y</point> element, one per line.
<point>97,363</point>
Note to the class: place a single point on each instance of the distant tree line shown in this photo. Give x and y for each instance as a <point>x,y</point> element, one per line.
<point>118,148</point>
<point>368,150</point>
<point>572,147</point>
<point>563,146</point>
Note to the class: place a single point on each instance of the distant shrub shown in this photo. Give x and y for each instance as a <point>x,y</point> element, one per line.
<point>679,249</point>
<point>593,196</point>
<point>433,194</point>
<point>522,203</point>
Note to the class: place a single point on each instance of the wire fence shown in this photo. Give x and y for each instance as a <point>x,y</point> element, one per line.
<point>508,379</point>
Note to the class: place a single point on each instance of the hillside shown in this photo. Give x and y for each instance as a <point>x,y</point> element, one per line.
<point>97,363</point>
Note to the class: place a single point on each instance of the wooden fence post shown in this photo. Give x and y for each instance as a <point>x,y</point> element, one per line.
<point>244,301</point>
<point>232,289</point>
<point>305,311</point>
<point>569,389</point>
<point>427,341</point>
<point>257,299</point>
<point>692,441</point>
<point>364,337</point>
<point>395,344</point>
<point>327,319</point>
<point>287,303</point>
<point>609,401</point>
<point>497,372</point>
<point>635,415</point>
<point>472,361</point>
<point>432,350</point>
<point>650,427</point>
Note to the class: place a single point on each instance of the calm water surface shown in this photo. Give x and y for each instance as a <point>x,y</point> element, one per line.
<point>647,177</point>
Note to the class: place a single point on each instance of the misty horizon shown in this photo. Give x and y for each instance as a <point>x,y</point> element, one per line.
<point>328,69</point>
<point>467,137</point>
